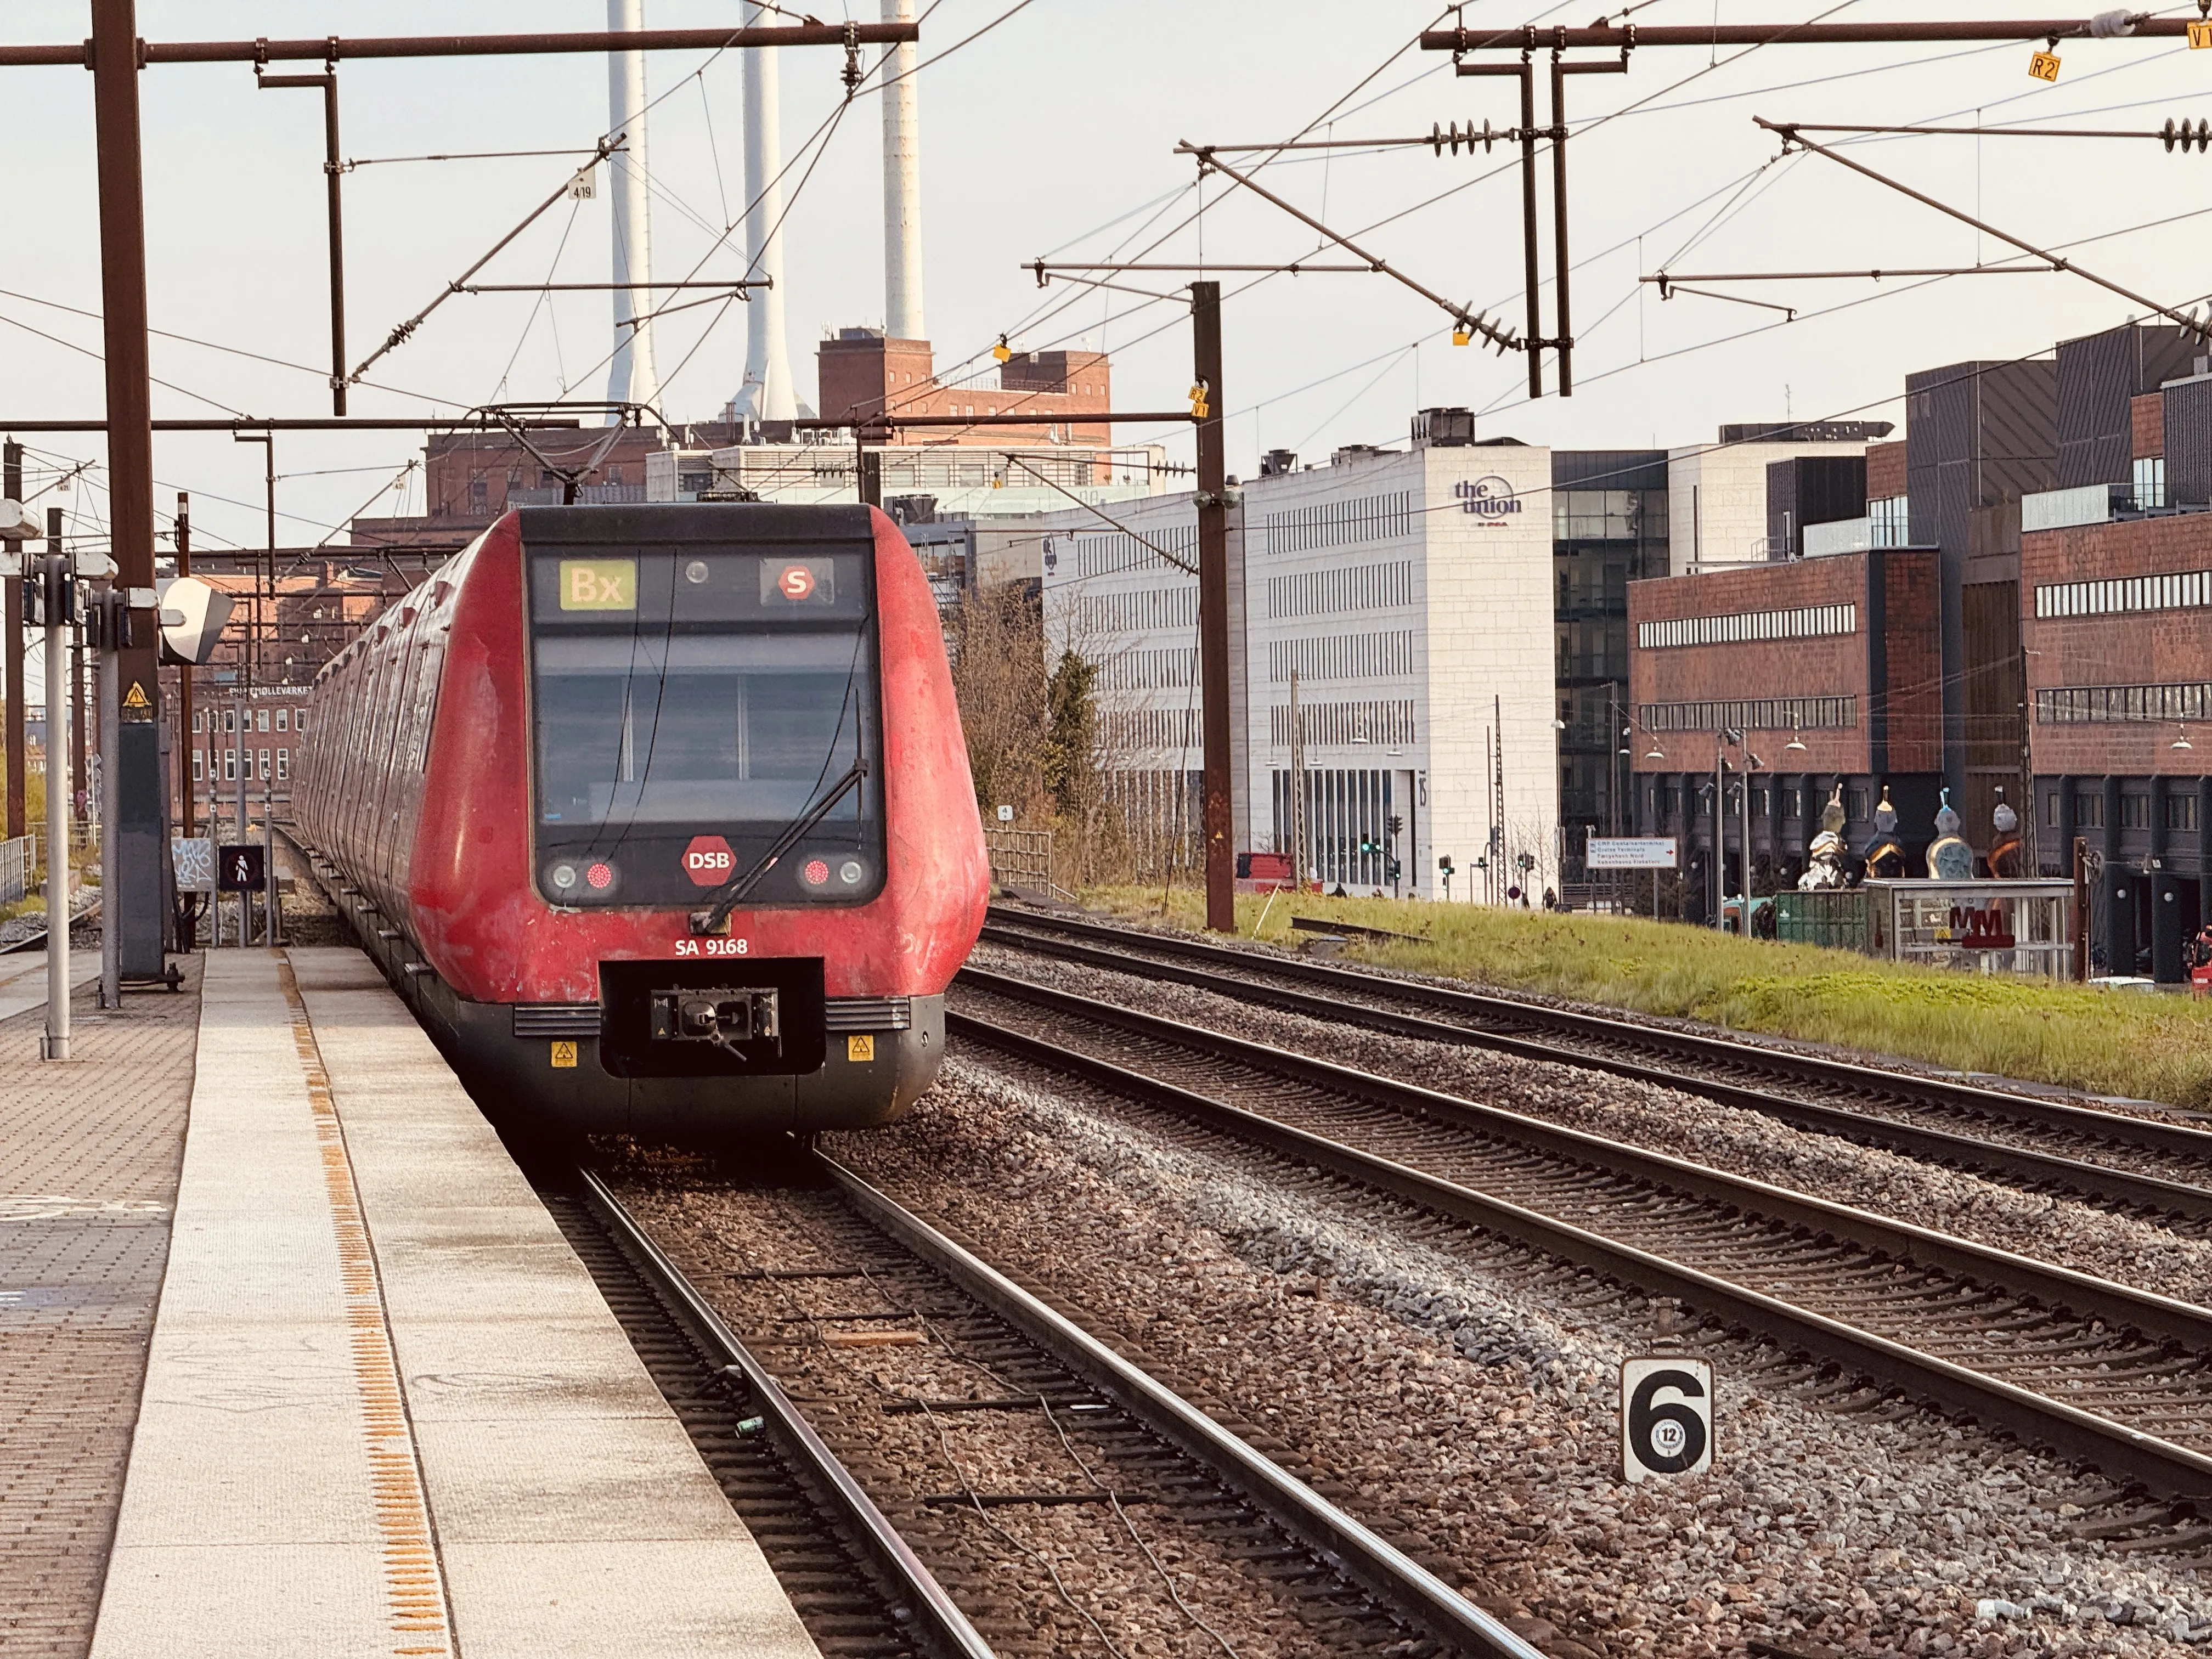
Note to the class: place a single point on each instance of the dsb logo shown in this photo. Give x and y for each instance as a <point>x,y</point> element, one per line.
<point>708,860</point>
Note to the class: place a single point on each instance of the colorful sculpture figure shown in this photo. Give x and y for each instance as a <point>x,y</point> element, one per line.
<point>2008,855</point>
<point>1885,854</point>
<point>1949,859</point>
<point>1824,865</point>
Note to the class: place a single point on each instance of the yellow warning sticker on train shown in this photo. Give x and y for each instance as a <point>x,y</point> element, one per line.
<point>858,1048</point>
<point>599,584</point>
<point>564,1055</point>
<point>2044,66</point>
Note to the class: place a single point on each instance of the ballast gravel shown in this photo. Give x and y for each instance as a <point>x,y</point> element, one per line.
<point>2064,1230</point>
<point>1463,1399</point>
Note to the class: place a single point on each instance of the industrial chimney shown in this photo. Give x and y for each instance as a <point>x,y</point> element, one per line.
<point>902,186</point>
<point>768,394</point>
<point>631,379</point>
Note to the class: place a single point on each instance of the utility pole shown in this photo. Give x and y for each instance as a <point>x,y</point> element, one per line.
<point>18,814</point>
<point>134,869</point>
<point>333,171</point>
<point>56,591</point>
<point>268,441</point>
<point>1213,605</point>
<point>187,793</point>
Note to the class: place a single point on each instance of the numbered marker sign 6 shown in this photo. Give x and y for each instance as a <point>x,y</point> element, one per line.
<point>1666,1417</point>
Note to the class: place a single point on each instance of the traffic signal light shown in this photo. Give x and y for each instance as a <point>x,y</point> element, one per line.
<point>1396,825</point>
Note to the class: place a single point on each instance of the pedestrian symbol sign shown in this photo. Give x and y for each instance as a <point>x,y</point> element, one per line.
<point>239,869</point>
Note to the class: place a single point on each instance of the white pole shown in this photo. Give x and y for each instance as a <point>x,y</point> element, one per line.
<point>58,840</point>
<point>768,394</point>
<point>631,379</point>
<point>902,185</point>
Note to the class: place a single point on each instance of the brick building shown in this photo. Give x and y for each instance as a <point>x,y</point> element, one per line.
<point>1830,669</point>
<point>863,374</point>
<point>2116,623</point>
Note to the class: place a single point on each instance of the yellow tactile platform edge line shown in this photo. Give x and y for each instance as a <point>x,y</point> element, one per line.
<point>414,1583</point>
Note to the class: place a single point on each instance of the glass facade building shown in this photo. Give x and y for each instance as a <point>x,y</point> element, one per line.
<point>1609,527</point>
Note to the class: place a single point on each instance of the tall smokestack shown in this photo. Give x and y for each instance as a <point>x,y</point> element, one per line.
<point>631,379</point>
<point>768,394</point>
<point>902,186</point>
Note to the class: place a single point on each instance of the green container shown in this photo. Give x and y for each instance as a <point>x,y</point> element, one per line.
<point>1837,919</point>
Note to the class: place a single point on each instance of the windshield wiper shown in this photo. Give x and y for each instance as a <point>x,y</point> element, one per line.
<point>732,892</point>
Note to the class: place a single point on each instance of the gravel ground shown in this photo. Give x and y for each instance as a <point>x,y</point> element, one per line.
<point>1464,1397</point>
<point>2064,1230</point>
<point>1035,1576</point>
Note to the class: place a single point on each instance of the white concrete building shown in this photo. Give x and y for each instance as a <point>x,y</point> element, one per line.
<point>1412,595</point>
<point>1718,494</point>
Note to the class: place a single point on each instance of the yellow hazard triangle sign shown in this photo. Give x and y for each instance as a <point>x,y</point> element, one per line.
<point>136,705</point>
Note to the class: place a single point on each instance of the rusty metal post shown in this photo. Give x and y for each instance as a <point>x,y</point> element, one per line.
<point>18,814</point>
<point>135,898</point>
<point>2081,909</point>
<point>1564,342</point>
<point>333,171</point>
<point>1213,608</point>
<point>1529,225</point>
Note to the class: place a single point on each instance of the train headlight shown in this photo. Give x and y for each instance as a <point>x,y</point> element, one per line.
<point>695,571</point>
<point>564,877</point>
<point>850,872</point>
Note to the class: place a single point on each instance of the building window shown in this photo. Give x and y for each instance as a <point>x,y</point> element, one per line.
<point>2174,590</point>
<point>2135,811</point>
<point>264,766</point>
<point>479,493</point>
<point>230,720</point>
<point>2051,810</point>
<point>1806,623</point>
<point>284,764</point>
<point>1673,800</point>
<point>265,720</point>
<point>2089,809</point>
<point>284,719</point>
<point>199,720</point>
<point>2181,812</point>
<point>300,721</point>
<point>1754,714</point>
<point>195,765</point>
<point>1856,804</point>
<point>1762,800</point>
<point>2112,705</point>
<point>230,765</point>
<point>1888,522</point>
<point>2150,482</point>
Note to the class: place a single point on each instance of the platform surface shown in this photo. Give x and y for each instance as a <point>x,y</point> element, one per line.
<point>89,1154</point>
<point>386,1410</point>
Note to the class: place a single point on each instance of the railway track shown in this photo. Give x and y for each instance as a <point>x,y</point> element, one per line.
<point>1120,1444</point>
<point>2102,1373</point>
<point>2142,1164</point>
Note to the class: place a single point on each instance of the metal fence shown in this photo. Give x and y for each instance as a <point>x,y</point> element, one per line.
<point>17,859</point>
<point>1023,858</point>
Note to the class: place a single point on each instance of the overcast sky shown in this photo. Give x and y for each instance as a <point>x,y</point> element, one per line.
<point>1053,133</point>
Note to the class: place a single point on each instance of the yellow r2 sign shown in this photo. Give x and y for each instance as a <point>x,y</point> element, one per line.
<point>2044,66</point>
<point>599,584</point>
<point>564,1055</point>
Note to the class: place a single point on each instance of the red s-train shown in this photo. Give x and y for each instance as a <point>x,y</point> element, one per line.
<point>659,816</point>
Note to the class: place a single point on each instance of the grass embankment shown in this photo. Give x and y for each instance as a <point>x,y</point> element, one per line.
<point>2150,1047</point>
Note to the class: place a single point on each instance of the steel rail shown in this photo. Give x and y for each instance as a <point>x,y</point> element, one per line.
<point>1382,1570</point>
<point>2146,1134</point>
<point>332,48</point>
<point>2065,1429</point>
<point>1534,37</point>
<point>2124,1186</point>
<point>935,1608</point>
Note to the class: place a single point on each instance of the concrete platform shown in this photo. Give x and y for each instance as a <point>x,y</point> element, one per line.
<point>386,1410</point>
<point>90,1150</point>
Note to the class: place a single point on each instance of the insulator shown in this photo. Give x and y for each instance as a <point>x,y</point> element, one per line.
<point>2112,25</point>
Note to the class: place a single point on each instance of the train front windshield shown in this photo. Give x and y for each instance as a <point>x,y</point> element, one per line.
<point>689,705</point>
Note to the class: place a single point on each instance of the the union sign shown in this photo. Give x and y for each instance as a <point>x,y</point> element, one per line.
<point>1490,499</point>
